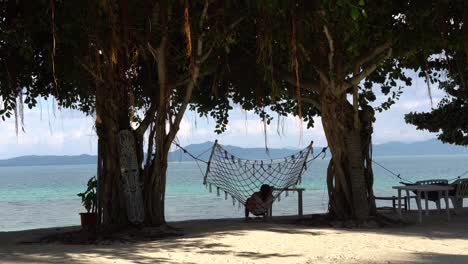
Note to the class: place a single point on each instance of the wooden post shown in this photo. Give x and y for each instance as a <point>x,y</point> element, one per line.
<point>399,203</point>
<point>299,201</point>
<point>447,207</point>
<point>304,165</point>
<point>426,202</point>
<point>439,195</point>
<point>418,200</point>
<point>408,200</point>
<point>209,162</point>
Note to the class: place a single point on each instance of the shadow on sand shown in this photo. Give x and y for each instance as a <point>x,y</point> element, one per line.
<point>11,251</point>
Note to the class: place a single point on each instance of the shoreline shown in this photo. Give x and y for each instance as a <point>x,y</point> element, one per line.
<point>422,155</point>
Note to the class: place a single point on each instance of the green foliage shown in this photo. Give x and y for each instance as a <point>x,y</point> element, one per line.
<point>450,117</point>
<point>89,197</point>
<point>255,73</point>
<point>443,61</point>
<point>249,64</point>
<point>26,56</point>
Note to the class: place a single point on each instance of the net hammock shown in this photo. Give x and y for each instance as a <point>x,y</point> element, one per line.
<point>240,178</point>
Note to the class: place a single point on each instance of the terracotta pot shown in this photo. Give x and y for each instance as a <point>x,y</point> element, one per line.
<point>88,220</point>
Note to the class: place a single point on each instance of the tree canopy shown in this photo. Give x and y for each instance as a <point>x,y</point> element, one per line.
<point>446,66</point>
<point>138,66</point>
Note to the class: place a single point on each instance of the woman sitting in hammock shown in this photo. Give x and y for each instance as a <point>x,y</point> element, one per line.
<point>260,202</point>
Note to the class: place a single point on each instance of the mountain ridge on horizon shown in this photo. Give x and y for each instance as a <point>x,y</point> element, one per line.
<point>428,147</point>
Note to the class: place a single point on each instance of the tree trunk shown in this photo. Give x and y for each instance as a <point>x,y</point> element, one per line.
<point>111,194</point>
<point>367,117</point>
<point>348,186</point>
<point>155,191</point>
<point>112,116</point>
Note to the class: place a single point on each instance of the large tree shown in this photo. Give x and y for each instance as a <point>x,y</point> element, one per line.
<point>134,66</point>
<point>148,57</point>
<point>327,58</point>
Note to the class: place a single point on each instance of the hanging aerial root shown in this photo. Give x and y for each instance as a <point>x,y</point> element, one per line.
<point>428,82</point>
<point>54,76</point>
<point>295,64</point>
<point>295,68</point>
<point>187,31</point>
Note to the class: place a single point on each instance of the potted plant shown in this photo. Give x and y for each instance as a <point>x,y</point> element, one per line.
<point>89,201</point>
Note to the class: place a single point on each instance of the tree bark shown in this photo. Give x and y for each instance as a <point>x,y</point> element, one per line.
<point>348,177</point>
<point>112,116</point>
<point>113,108</point>
<point>155,191</point>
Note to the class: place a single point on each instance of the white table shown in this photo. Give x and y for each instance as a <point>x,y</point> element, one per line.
<point>441,189</point>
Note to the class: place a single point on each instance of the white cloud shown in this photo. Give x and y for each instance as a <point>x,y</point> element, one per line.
<point>62,133</point>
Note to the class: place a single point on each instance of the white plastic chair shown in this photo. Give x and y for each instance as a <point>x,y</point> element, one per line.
<point>461,192</point>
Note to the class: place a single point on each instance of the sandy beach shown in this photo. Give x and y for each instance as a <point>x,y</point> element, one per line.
<point>234,241</point>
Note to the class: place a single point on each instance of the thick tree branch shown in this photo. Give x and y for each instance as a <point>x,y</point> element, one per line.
<point>304,84</point>
<point>331,54</point>
<point>322,76</point>
<point>162,75</point>
<point>355,101</point>
<point>364,59</point>
<point>188,79</point>
<point>315,101</point>
<point>205,56</point>
<point>364,73</point>
<point>149,152</point>
<point>158,55</point>
<point>145,123</point>
<point>195,72</point>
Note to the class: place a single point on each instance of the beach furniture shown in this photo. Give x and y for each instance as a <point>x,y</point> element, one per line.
<point>460,192</point>
<point>432,196</point>
<point>394,200</point>
<point>419,190</point>
<point>240,178</point>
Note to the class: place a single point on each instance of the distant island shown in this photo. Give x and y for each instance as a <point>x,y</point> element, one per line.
<point>35,160</point>
<point>428,147</point>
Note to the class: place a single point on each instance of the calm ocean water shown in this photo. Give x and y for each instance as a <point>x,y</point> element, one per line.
<point>45,196</point>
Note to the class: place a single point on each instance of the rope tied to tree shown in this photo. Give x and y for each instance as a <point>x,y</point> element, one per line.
<point>197,158</point>
<point>391,172</point>
<point>459,176</point>
<point>403,180</point>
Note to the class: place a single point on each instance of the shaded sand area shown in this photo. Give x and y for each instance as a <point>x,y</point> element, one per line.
<point>233,241</point>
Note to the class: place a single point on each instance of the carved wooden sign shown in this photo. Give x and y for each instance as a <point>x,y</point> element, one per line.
<point>132,185</point>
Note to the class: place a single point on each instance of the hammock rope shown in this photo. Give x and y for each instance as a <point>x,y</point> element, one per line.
<point>196,158</point>
<point>240,178</point>
<point>405,181</point>
<point>391,172</point>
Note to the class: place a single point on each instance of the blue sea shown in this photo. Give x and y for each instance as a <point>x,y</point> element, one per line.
<point>45,196</point>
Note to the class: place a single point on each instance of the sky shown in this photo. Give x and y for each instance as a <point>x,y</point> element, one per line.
<point>67,132</point>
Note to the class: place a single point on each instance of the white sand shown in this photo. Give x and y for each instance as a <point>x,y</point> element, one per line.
<point>232,241</point>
